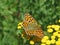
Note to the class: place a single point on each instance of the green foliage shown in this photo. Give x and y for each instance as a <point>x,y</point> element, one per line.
<point>46,12</point>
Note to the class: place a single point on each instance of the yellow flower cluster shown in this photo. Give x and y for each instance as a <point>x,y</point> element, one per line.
<point>54,39</point>
<point>19,25</point>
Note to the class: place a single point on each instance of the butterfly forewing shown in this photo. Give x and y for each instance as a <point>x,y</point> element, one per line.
<point>31,27</point>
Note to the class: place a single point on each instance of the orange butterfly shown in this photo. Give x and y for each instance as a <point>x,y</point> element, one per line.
<point>31,27</point>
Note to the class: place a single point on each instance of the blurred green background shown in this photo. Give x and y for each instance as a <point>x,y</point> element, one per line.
<point>46,12</point>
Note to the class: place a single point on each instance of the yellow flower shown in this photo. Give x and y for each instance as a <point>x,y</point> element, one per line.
<point>58,32</point>
<point>49,26</point>
<point>58,39</point>
<point>43,44</point>
<point>50,30</point>
<point>57,42</point>
<point>58,35</point>
<point>48,42</point>
<point>19,27</point>
<point>43,40</point>
<point>52,41</point>
<point>20,24</point>
<point>52,37</point>
<point>45,37</point>
<point>57,27</point>
<point>53,26</point>
<point>59,20</point>
<point>55,33</point>
<point>32,42</point>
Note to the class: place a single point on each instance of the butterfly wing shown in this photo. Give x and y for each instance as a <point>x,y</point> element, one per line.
<point>31,27</point>
<point>29,23</point>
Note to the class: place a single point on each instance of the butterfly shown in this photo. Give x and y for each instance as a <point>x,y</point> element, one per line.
<point>31,26</point>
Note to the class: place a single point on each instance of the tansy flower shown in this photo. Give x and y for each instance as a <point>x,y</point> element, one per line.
<point>53,41</point>
<point>55,33</point>
<point>45,37</point>
<point>50,30</point>
<point>49,26</point>
<point>43,40</point>
<point>58,32</point>
<point>19,25</point>
<point>52,37</point>
<point>48,42</point>
<point>57,27</point>
<point>58,35</point>
<point>57,42</point>
<point>58,39</point>
<point>31,42</point>
<point>53,26</point>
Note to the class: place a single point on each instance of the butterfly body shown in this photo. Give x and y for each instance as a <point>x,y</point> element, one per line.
<point>31,26</point>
